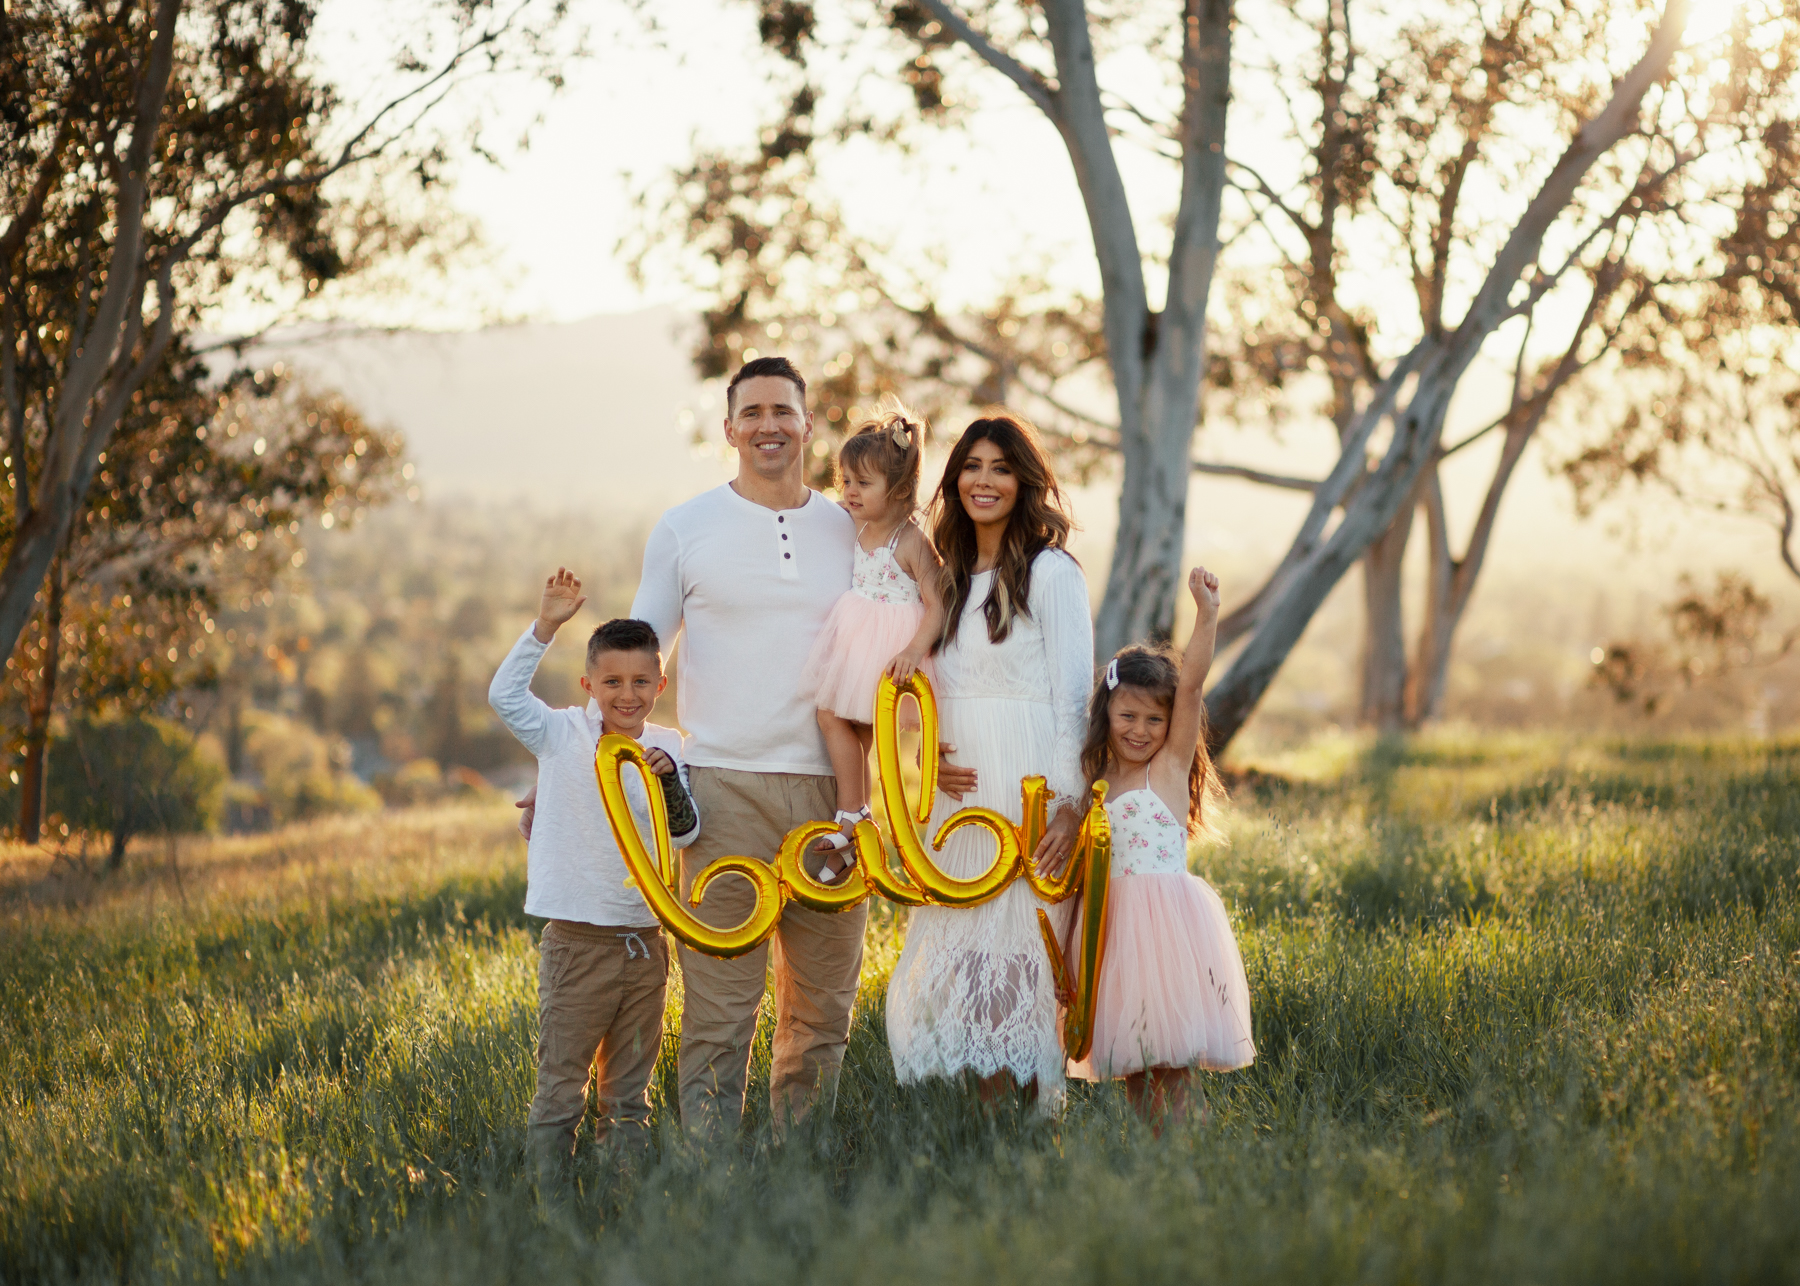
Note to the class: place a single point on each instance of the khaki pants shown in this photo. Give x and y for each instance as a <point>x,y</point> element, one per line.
<point>600,1011</point>
<point>818,960</point>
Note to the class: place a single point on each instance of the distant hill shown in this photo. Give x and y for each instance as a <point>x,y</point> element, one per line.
<point>565,416</point>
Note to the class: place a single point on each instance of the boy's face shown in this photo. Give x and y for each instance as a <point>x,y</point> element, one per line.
<point>626,684</point>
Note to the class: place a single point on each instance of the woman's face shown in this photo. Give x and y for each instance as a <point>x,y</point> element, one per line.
<point>987,485</point>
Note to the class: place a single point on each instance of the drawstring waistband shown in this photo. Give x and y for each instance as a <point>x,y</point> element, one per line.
<point>631,940</point>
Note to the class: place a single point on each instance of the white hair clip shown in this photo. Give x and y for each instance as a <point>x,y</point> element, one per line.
<point>901,434</point>
<point>1112,674</point>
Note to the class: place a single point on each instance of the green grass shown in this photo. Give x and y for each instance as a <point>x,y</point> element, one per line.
<point>1528,1011</point>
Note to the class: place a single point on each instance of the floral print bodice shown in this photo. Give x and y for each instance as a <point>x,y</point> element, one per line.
<point>1147,838</point>
<point>880,577</point>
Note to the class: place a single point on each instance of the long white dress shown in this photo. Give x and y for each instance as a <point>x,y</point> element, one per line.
<point>973,988</point>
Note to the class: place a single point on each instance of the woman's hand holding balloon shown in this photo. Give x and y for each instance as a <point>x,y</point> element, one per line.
<point>953,779</point>
<point>1058,845</point>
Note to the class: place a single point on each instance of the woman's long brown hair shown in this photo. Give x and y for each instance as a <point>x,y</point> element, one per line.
<point>1038,522</point>
<point>1154,671</point>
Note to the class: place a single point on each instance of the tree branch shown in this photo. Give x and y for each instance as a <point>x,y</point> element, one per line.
<point>1281,480</point>
<point>1033,85</point>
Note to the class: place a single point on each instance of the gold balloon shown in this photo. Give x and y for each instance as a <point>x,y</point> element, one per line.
<point>887,743</point>
<point>852,886</point>
<point>1093,861</point>
<point>872,860</point>
<point>925,883</point>
<point>658,879</point>
<point>939,888</point>
<point>1066,883</point>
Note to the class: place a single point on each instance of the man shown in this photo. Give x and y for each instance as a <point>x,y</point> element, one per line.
<point>748,572</point>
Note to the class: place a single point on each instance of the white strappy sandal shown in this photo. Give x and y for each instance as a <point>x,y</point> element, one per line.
<point>840,842</point>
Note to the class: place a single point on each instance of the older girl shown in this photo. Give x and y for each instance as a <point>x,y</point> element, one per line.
<point>1172,994</point>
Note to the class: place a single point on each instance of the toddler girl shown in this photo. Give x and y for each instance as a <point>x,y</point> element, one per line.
<point>886,622</point>
<point>1171,993</point>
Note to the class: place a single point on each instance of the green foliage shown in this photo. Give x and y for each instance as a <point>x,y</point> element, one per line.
<point>131,774</point>
<point>302,774</point>
<point>1554,1042</point>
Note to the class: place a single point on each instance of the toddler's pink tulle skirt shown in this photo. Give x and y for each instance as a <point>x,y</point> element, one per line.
<point>858,639</point>
<point>1172,990</point>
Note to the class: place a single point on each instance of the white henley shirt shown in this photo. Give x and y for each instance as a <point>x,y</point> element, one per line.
<point>751,588</point>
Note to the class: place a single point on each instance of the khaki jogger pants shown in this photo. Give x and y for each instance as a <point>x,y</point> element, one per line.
<point>818,960</point>
<point>601,990</point>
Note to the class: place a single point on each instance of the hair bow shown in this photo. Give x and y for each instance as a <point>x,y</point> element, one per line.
<point>1112,674</point>
<point>901,435</point>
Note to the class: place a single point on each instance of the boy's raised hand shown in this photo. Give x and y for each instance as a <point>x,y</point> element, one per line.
<point>659,761</point>
<point>1205,588</point>
<point>562,599</point>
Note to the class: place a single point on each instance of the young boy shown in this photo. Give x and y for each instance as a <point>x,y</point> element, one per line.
<point>602,964</point>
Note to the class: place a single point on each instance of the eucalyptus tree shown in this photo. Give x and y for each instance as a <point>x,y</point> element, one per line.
<point>1512,151</point>
<point>162,153</point>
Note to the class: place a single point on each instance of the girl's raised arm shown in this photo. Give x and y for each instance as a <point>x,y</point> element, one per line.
<point>1185,718</point>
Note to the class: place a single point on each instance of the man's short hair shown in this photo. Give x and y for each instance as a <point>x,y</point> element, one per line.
<point>777,366</point>
<point>622,634</point>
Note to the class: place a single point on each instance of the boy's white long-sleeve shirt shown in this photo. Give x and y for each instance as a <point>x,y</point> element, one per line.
<point>572,863</point>
<point>748,588</point>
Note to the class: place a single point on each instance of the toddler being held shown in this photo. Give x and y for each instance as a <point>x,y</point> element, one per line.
<point>887,622</point>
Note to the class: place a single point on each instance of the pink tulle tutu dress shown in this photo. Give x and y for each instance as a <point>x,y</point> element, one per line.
<point>876,618</point>
<point>1172,991</point>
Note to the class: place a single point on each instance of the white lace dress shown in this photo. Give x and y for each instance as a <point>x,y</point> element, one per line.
<point>972,989</point>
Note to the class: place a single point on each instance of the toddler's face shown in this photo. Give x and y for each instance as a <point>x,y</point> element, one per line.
<point>865,496</point>
<point>1138,723</point>
<point>626,684</point>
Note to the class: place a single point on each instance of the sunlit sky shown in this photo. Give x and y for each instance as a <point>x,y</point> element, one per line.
<point>553,215</point>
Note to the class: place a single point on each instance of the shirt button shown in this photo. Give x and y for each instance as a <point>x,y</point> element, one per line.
<point>780,518</point>
<point>784,535</point>
<point>787,555</point>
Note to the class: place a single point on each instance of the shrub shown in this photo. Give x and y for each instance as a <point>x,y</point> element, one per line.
<point>299,773</point>
<point>133,775</point>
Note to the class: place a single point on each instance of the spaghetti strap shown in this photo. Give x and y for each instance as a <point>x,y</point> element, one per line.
<point>894,540</point>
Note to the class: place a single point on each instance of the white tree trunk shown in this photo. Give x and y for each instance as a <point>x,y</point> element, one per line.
<point>1288,604</point>
<point>1384,627</point>
<point>1145,575</point>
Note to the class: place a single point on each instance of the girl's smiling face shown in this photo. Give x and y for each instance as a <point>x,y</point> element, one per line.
<point>987,485</point>
<point>1137,725</point>
<point>865,496</point>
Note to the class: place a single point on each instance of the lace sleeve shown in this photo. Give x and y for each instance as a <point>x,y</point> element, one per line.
<point>1059,603</point>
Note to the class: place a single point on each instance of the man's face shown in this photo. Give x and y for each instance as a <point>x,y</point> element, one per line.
<point>626,684</point>
<point>769,427</point>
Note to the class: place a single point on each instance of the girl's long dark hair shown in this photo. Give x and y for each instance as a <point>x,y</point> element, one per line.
<point>1155,671</point>
<point>1038,521</point>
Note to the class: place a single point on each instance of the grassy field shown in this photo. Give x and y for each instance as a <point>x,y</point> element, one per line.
<point>1528,1011</point>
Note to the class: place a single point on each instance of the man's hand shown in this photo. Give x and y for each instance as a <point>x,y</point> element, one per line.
<point>1204,586</point>
<point>529,804</point>
<point>953,779</point>
<point>659,762</point>
<point>562,599</point>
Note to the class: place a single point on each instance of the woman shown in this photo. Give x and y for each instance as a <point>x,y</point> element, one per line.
<point>973,990</point>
